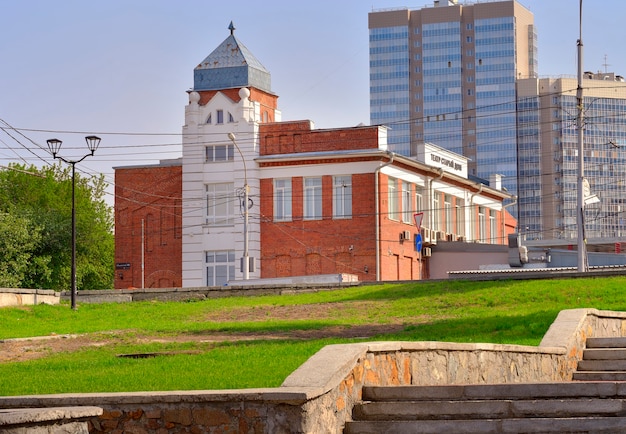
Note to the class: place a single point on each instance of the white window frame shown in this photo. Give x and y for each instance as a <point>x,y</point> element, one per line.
<point>342,197</point>
<point>460,217</point>
<point>419,198</point>
<point>394,210</point>
<point>219,153</point>
<point>493,231</point>
<point>282,199</point>
<point>482,224</point>
<point>312,187</point>
<point>219,266</point>
<point>407,211</point>
<point>447,205</point>
<point>436,212</point>
<point>220,204</point>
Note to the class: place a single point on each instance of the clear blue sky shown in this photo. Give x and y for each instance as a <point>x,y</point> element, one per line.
<point>121,68</point>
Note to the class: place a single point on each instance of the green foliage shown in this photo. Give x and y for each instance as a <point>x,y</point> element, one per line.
<point>41,198</point>
<point>18,239</point>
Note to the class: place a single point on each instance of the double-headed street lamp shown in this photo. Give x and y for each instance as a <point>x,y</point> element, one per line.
<point>54,145</point>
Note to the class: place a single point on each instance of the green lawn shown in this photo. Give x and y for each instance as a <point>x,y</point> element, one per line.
<point>268,337</point>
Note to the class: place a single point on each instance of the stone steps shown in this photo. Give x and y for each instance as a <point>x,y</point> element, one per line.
<point>568,407</point>
<point>604,359</point>
<point>595,403</point>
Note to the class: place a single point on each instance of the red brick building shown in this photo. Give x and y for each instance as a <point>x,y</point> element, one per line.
<point>148,228</point>
<point>375,238</point>
<point>319,201</point>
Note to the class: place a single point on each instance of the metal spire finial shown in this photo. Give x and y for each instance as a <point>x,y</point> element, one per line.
<point>231,27</point>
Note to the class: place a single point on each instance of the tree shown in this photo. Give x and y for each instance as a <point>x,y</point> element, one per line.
<point>18,239</point>
<point>43,198</point>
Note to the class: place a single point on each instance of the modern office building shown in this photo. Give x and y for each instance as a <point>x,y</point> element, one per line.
<point>548,157</point>
<point>446,74</point>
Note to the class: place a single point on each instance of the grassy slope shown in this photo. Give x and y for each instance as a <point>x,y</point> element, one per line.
<point>458,311</point>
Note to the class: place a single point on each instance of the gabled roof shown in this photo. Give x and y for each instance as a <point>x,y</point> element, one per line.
<point>231,65</point>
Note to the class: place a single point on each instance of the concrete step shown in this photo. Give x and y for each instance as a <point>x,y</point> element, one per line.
<point>599,376</point>
<point>601,365</point>
<point>606,342</point>
<point>597,425</point>
<point>488,409</point>
<point>604,354</point>
<point>564,390</point>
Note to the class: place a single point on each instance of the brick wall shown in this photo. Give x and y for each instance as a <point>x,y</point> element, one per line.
<point>295,137</point>
<point>327,246</point>
<point>151,195</point>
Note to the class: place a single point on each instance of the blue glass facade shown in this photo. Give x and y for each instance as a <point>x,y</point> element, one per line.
<point>442,92</point>
<point>496,136</point>
<point>530,191</point>
<point>389,84</point>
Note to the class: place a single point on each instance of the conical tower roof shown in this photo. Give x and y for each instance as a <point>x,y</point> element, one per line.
<point>231,65</point>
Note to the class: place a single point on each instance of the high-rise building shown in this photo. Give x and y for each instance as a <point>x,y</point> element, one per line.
<point>446,74</point>
<point>548,157</point>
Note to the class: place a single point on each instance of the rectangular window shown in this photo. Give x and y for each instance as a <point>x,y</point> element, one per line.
<point>419,198</point>
<point>220,204</point>
<point>447,204</point>
<point>436,212</point>
<point>493,233</point>
<point>220,267</point>
<point>220,116</point>
<point>393,199</point>
<point>282,200</point>
<point>218,153</point>
<point>312,198</point>
<point>407,209</point>
<point>342,197</point>
<point>482,224</point>
<point>460,217</point>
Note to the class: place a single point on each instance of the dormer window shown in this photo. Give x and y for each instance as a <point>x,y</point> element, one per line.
<point>220,116</point>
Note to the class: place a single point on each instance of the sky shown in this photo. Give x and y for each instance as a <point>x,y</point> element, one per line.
<point>120,69</point>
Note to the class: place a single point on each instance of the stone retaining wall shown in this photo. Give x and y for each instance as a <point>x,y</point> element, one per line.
<point>22,297</point>
<point>318,397</point>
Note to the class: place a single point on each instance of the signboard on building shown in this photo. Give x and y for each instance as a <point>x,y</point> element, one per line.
<point>436,156</point>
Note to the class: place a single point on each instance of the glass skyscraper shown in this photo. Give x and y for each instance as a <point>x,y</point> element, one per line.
<point>446,74</point>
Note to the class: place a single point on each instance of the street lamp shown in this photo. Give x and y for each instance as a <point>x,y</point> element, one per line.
<point>55,145</point>
<point>246,258</point>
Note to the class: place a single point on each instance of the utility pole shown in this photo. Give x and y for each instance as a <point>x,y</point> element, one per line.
<point>580,198</point>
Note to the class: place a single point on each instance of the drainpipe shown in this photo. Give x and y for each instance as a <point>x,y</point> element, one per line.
<point>378,222</point>
<point>430,198</point>
<point>504,207</point>
<point>472,213</point>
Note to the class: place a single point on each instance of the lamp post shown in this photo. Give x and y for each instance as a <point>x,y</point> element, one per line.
<point>54,145</point>
<point>246,258</point>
